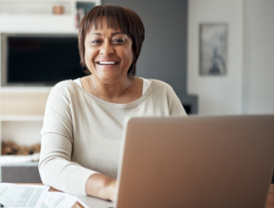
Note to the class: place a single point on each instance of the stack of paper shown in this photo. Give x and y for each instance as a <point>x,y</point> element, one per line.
<point>34,196</point>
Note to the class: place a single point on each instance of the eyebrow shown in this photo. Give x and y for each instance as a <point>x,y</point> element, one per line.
<point>112,34</point>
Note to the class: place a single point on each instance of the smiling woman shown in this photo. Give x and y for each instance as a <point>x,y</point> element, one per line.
<point>83,121</point>
<point>116,18</point>
<point>108,56</point>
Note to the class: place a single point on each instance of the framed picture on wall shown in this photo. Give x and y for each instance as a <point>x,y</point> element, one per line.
<point>213,49</point>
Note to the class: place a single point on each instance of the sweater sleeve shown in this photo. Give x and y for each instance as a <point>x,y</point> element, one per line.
<point>55,165</point>
<point>175,106</point>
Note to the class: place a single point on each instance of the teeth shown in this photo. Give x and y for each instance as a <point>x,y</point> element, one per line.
<point>107,62</point>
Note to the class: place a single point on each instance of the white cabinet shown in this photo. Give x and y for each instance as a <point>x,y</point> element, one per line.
<point>38,15</point>
<point>22,108</point>
<point>22,112</point>
<point>25,105</point>
<point>21,121</point>
<point>19,105</point>
<point>38,7</point>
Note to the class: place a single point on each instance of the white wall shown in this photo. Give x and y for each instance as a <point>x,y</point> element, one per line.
<point>221,94</point>
<point>248,87</point>
<point>258,93</point>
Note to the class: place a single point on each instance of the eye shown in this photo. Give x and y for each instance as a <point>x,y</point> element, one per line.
<point>118,41</point>
<point>96,42</point>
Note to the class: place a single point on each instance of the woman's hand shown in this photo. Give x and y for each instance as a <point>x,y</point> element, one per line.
<point>101,186</point>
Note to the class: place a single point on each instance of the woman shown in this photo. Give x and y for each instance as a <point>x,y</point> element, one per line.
<point>84,118</point>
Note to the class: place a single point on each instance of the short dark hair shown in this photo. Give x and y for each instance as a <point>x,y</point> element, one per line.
<point>116,17</point>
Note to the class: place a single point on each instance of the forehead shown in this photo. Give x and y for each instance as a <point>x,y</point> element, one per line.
<point>101,23</point>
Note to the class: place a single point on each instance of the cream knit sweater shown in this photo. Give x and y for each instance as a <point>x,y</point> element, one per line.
<point>81,133</point>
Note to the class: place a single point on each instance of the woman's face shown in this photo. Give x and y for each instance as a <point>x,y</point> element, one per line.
<point>108,54</point>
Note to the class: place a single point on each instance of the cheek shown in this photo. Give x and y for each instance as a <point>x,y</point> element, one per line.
<point>128,54</point>
<point>89,55</point>
<point>86,56</point>
<point>131,57</point>
<point>89,60</point>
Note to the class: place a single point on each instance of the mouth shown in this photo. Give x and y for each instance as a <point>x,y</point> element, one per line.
<point>103,63</point>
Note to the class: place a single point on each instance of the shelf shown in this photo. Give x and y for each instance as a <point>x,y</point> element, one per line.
<point>43,15</point>
<point>33,6</point>
<point>25,89</point>
<point>42,23</point>
<point>38,15</point>
<point>22,132</point>
<point>36,1</point>
<point>21,118</point>
<point>17,163</point>
<point>27,160</point>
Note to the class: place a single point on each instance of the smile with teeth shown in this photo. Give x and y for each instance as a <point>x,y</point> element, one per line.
<point>107,62</point>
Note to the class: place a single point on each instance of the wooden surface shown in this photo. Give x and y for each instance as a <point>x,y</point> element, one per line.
<point>23,103</point>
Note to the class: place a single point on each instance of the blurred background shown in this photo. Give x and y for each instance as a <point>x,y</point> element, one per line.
<point>171,52</point>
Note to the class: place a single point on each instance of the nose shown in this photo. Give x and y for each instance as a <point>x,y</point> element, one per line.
<point>106,49</point>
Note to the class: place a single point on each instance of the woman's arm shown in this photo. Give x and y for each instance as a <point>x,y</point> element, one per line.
<point>58,171</point>
<point>101,186</point>
<point>57,145</point>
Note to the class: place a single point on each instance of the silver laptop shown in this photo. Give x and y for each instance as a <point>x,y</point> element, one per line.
<point>196,161</point>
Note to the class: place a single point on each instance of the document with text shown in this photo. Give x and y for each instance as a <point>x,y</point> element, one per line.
<point>30,196</point>
<point>58,200</point>
<point>36,196</point>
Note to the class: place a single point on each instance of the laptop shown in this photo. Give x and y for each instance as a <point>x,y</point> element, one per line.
<point>195,161</point>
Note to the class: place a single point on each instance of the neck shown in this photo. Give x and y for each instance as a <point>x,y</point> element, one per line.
<point>110,92</point>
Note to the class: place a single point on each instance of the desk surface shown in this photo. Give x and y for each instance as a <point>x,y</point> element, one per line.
<point>270,198</point>
<point>269,203</point>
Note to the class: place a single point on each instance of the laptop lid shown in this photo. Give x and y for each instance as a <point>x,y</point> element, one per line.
<point>196,161</point>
